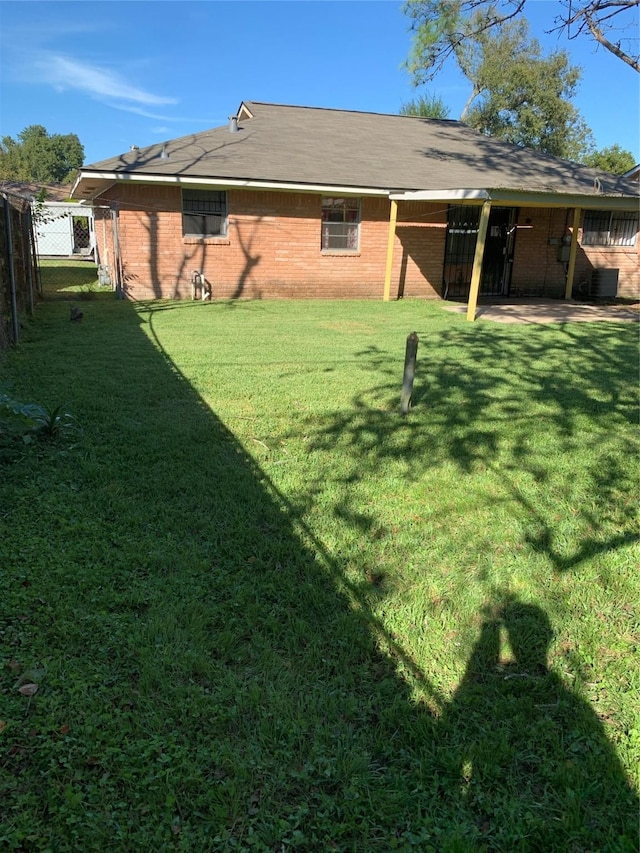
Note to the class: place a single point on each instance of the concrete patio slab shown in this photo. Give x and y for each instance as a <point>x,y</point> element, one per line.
<point>549,311</point>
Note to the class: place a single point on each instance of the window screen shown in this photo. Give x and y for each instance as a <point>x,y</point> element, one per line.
<point>607,228</point>
<point>204,213</point>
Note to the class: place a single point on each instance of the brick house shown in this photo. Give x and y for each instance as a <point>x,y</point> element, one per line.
<point>304,202</point>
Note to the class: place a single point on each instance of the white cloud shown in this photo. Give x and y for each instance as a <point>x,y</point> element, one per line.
<point>139,111</point>
<point>101,83</point>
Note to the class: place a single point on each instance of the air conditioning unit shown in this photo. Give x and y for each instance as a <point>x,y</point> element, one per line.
<point>603,284</point>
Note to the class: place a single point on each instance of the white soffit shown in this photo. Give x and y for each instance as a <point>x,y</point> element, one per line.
<point>440,195</point>
<point>125,177</point>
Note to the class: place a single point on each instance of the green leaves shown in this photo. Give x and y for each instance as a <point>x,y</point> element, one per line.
<point>29,420</point>
<point>612,159</point>
<point>40,157</point>
<point>426,106</point>
<point>443,26</point>
<point>518,93</point>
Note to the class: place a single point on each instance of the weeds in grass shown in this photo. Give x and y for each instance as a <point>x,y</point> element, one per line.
<point>27,421</point>
<point>274,615</point>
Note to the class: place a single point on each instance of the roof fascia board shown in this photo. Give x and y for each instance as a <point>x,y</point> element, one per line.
<point>521,198</point>
<point>75,183</point>
<point>545,199</point>
<point>72,205</point>
<point>461,195</point>
<point>117,177</point>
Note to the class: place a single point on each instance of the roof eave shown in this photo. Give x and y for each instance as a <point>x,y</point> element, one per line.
<point>87,179</point>
<point>90,184</point>
<point>522,198</point>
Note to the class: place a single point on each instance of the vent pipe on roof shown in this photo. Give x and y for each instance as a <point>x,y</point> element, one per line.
<point>164,154</point>
<point>233,124</point>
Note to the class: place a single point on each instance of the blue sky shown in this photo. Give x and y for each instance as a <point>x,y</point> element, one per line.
<point>125,73</point>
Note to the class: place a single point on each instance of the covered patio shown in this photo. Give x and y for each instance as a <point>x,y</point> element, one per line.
<point>536,311</point>
<point>480,243</point>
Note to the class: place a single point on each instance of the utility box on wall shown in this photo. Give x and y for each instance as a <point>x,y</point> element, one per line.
<point>564,253</point>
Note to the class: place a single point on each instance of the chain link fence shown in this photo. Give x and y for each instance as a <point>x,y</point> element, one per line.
<point>51,250</point>
<point>20,282</point>
<point>66,249</point>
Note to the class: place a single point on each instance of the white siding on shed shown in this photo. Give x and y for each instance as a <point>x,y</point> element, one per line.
<point>55,232</point>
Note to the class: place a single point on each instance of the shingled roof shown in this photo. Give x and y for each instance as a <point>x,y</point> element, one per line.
<point>313,148</point>
<point>31,191</point>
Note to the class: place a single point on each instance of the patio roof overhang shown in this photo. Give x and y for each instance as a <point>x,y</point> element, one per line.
<point>507,198</point>
<point>521,198</point>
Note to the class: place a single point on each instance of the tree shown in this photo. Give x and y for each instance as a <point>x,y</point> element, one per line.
<point>36,156</point>
<point>427,106</point>
<point>441,26</point>
<point>517,94</point>
<point>522,96</point>
<point>613,159</point>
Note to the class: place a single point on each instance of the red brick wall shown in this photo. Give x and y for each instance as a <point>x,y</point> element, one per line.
<point>536,270</point>
<point>421,232</point>
<point>536,267</point>
<point>626,260</point>
<point>273,249</point>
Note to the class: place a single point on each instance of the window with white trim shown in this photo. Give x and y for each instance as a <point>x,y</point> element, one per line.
<point>340,224</point>
<point>609,228</point>
<point>204,213</point>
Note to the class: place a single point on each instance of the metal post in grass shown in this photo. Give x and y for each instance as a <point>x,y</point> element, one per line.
<point>411,353</point>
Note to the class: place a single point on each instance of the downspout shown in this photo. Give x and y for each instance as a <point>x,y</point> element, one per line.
<point>393,216</point>
<point>477,261</point>
<point>573,251</point>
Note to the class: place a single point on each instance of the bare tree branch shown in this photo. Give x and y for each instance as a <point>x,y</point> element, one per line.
<point>599,36</point>
<point>594,18</point>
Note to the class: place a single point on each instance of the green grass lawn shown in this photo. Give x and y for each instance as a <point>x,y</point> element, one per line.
<point>266,613</point>
<point>65,279</point>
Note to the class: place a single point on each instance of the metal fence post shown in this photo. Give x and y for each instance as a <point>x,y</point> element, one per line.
<point>15,326</point>
<point>27,259</point>
<point>119,278</point>
<point>34,253</point>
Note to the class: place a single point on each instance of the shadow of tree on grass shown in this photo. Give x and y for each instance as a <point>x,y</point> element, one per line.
<point>479,399</point>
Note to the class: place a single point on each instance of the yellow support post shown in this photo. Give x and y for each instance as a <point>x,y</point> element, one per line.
<point>573,251</point>
<point>477,261</point>
<point>393,216</point>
